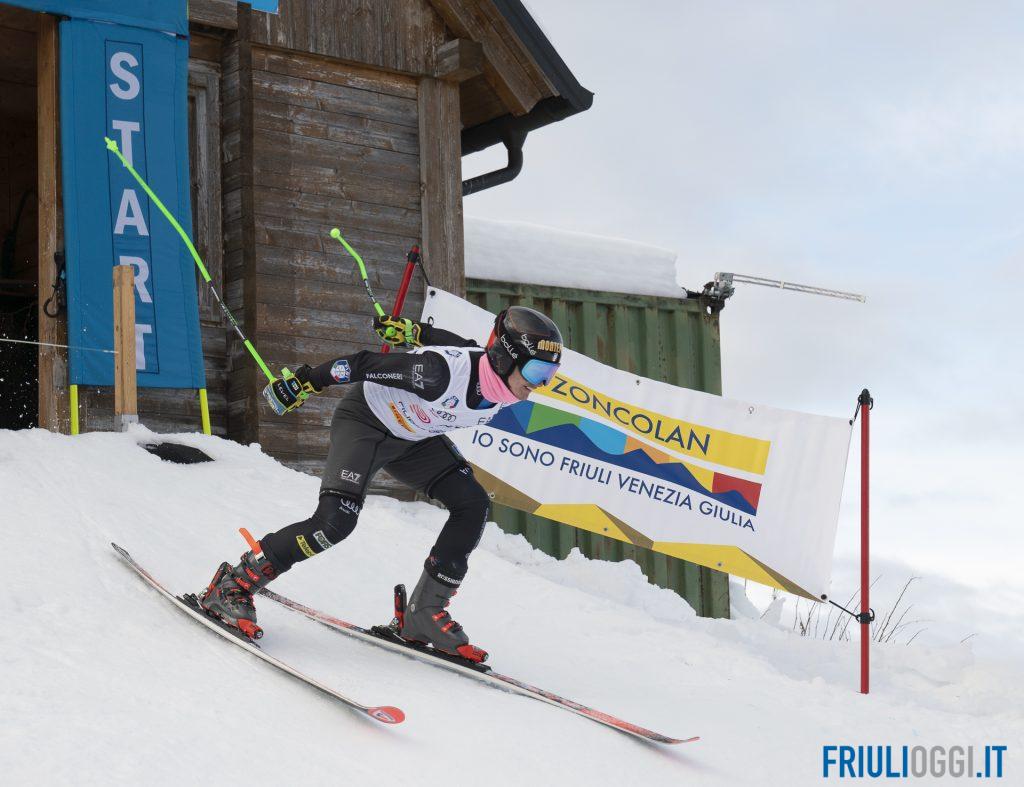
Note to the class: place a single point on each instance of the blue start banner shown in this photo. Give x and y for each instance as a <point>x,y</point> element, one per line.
<point>131,85</point>
<point>171,16</point>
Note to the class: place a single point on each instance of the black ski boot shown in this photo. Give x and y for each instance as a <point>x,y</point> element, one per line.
<point>229,596</point>
<point>425,620</point>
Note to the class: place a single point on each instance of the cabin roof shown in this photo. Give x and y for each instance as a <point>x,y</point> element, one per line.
<point>525,83</point>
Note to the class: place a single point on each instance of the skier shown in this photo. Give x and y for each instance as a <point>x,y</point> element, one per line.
<point>395,416</point>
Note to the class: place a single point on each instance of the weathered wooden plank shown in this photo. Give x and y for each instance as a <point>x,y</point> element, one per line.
<point>385,265</point>
<point>283,349</point>
<point>398,35</point>
<point>204,153</point>
<point>282,436</point>
<point>312,235</point>
<point>346,288</point>
<point>459,59</point>
<point>334,98</point>
<point>336,126</point>
<point>300,293</point>
<point>231,141</point>
<point>237,64</point>
<point>328,211</point>
<point>53,381</point>
<point>353,186</point>
<point>502,69</point>
<point>441,184</point>
<point>204,47</point>
<point>503,30</point>
<point>479,103</point>
<point>292,153</point>
<point>214,13</point>
<point>230,173</point>
<point>214,338</point>
<point>332,72</point>
<point>311,323</point>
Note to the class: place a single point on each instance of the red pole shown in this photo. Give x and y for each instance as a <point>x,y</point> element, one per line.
<point>403,288</point>
<point>865,617</point>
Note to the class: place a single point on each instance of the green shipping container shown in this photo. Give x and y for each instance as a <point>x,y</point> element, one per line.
<point>667,339</point>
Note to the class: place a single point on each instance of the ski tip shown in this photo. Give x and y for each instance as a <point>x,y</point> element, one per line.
<point>387,714</point>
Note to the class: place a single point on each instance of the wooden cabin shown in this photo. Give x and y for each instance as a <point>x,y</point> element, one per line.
<point>348,113</point>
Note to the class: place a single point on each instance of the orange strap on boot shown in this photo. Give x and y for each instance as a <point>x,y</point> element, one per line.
<point>254,545</point>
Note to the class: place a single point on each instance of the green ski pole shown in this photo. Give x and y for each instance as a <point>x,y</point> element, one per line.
<point>112,147</point>
<point>336,234</point>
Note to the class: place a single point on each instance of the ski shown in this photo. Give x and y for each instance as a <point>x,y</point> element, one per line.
<point>189,604</point>
<point>384,637</point>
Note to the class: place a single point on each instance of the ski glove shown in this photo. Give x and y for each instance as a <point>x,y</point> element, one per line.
<point>398,331</point>
<point>290,390</point>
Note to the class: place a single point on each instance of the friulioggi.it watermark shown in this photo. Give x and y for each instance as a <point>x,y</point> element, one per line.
<point>911,762</point>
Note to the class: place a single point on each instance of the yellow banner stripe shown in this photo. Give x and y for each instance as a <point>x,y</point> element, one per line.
<point>714,445</point>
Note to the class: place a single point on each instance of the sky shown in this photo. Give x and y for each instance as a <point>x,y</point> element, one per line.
<point>869,147</point>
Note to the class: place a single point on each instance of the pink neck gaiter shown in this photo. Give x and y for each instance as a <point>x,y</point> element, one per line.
<point>493,387</point>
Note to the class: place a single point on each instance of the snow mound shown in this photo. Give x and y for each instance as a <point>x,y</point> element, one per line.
<point>518,252</point>
<point>105,683</point>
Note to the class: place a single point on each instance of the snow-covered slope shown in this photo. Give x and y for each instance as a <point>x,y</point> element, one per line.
<point>104,682</point>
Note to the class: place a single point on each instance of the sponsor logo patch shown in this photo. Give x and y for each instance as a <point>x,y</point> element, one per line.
<point>451,402</point>
<point>349,505</point>
<point>549,346</point>
<point>398,417</point>
<point>508,347</point>
<point>384,376</point>
<point>341,371</point>
<point>528,344</point>
<point>420,413</point>
<point>322,540</point>
<point>453,353</point>
<point>307,550</point>
<point>417,376</point>
<point>350,475</point>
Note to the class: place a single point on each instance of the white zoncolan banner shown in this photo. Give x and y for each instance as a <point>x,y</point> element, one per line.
<point>753,491</point>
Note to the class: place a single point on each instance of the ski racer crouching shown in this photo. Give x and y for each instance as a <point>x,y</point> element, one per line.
<point>395,415</point>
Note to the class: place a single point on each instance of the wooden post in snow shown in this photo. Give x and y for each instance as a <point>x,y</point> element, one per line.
<point>126,408</point>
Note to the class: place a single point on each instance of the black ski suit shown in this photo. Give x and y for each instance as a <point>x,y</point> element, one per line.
<point>361,445</point>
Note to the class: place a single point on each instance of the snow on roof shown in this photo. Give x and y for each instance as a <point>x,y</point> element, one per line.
<point>515,251</point>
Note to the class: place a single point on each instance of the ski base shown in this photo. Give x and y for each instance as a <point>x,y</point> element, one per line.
<point>384,636</point>
<point>189,604</point>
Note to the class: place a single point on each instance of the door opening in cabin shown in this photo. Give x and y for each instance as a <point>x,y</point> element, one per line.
<point>19,221</point>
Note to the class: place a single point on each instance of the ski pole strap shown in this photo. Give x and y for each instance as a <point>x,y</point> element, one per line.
<point>336,234</point>
<point>112,147</point>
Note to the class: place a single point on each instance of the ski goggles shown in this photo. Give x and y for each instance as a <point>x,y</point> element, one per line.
<point>537,372</point>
